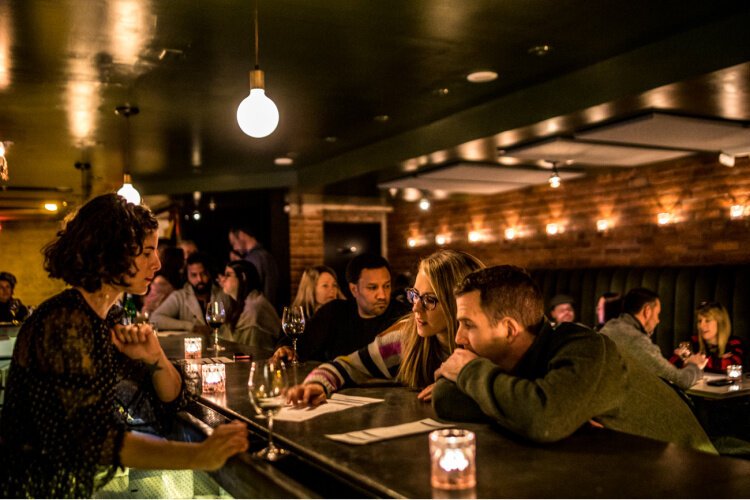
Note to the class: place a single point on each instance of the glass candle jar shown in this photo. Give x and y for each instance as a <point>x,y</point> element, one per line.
<point>453,459</point>
<point>734,373</point>
<point>193,348</point>
<point>214,377</point>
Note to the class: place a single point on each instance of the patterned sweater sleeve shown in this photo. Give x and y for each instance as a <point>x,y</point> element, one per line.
<point>380,360</point>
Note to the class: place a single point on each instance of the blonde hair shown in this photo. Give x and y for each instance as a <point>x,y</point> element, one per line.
<point>444,269</point>
<point>715,311</point>
<point>306,291</point>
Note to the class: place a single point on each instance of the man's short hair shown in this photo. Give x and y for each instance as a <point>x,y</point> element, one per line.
<point>199,258</point>
<point>506,291</point>
<point>245,228</point>
<point>636,298</point>
<point>364,261</point>
<point>560,299</point>
<point>6,276</point>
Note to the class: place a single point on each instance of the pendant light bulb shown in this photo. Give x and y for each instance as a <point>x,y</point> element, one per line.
<point>128,192</point>
<point>257,115</point>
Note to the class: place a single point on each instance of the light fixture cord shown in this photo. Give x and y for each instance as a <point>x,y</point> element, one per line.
<point>126,169</point>
<point>257,59</point>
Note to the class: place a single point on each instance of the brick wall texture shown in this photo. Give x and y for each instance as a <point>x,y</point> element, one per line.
<point>698,192</point>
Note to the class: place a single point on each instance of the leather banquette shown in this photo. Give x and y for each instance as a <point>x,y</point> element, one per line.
<point>680,290</point>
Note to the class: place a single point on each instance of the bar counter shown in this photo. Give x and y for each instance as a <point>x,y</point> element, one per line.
<point>591,463</point>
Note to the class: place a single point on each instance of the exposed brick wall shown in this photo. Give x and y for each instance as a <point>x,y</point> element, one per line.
<point>698,191</point>
<point>306,240</point>
<point>21,243</point>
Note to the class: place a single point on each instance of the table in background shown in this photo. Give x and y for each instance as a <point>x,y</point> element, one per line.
<point>591,463</point>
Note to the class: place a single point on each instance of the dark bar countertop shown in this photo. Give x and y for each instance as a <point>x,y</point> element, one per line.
<point>591,463</point>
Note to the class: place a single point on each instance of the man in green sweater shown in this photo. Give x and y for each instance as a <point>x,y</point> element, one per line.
<point>544,383</point>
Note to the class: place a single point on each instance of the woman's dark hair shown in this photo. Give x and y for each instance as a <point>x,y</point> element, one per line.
<point>172,265</point>
<point>99,243</point>
<point>249,281</point>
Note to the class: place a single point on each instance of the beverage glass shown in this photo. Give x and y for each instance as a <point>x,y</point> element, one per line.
<point>266,388</point>
<point>686,350</point>
<point>293,323</point>
<point>453,459</point>
<point>193,348</point>
<point>215,317</point>
<point>734,373</point>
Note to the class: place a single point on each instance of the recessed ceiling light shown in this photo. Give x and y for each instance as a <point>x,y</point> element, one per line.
<point>540,50</point>
<point>283,161</point>
<point>382,118</point>
<point>481,76</point>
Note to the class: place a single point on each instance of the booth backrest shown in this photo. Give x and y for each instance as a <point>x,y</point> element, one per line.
<point>680,290</point>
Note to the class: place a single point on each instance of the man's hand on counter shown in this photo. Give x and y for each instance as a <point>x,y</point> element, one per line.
<point>225,441</point>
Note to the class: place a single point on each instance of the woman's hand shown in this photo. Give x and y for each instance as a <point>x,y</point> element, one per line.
<point>283,353</point>
<point>426,394</point>
<point>137,342</point>
<point>225,441</point>
<point>306,395</point>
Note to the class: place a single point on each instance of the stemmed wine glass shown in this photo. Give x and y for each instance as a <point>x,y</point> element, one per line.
<point>293,323</point>
<point>685,350</point>
<point>266,388</point>
<point>215,317</point>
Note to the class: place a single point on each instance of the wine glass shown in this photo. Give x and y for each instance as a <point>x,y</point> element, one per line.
<point>293,323</point>
<point>685,350</point>
<point>266,388</point>
<point>215,317</point>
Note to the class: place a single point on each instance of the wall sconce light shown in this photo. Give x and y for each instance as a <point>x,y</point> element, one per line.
<point>424,204</point>
<point>737,211</point>
<point>257,115</point>
<point>726,159</point>
<point>3,163</point>
<point>664,218</point>
<point>442,239</point>
<point>602,225</point>
<point>553,229</point>
<point>475,236</point>
<point>416,241</point>
<point>412,242</point>
<point>510,233</point>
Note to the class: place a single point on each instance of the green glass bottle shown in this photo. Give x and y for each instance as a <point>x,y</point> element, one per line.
<point>131,311</point>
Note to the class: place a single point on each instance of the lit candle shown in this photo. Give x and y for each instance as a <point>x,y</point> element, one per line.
<point>734,372</point>
<point>453,457</point>
<point>193,348</point>
<point>214,377</point>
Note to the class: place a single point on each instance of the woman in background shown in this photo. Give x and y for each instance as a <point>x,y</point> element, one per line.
<point>65,428</point>
<point>413,348</point>
<point>714,339</point>
<point>608,306</point>
<point>252,320</point>
<point>318,286</point>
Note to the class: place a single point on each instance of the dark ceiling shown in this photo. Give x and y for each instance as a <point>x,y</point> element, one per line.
<point>331,67</point>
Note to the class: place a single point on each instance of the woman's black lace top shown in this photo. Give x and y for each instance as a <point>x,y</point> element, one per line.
<point>70,397</point>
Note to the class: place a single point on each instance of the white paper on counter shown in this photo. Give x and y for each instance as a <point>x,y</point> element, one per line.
<point>382,433</point>
<point>337,402</point>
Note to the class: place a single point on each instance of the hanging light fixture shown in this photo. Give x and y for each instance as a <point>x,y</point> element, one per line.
<point>257,115</point>
<point>4,173</point>
<point>554,179</point>
<point>127,190</point>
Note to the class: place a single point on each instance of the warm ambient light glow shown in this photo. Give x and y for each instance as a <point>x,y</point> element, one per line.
<point>602,225</point>
<point>664,218</point>
<point>442,239</point>
<point>50,207</point>
<point>510,233</point>
<point>424,204</point>
<point>128,192</point>
<point>475,236</point>
<point>553,229</point>
<point>736,211</point>
<point>554,180</point>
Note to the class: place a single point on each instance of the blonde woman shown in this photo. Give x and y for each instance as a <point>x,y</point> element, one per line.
<point>714,339</point>
<point>413,348</point>
<point>317,287</point>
